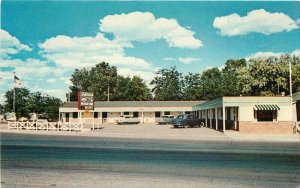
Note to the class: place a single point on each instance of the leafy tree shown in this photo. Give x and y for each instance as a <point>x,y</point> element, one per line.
<point>98,79</point>
<point>269,76</point>
<point>192,87</point>
<point>138,90</point>
<point>21,101</point>
<point>167,85</point>
<point>27,102</point>
<point>104,78</point>
<point>211,81</point>
<point>230,85</point>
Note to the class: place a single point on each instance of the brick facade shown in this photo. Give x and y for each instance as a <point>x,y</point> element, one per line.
<point>266,127</point>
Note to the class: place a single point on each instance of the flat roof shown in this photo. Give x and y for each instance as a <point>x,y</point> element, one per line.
<point>242,101</point>
<point>296,96</point>
<point>99,104</point>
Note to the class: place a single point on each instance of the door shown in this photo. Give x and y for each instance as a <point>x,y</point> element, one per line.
<point>67,117</point>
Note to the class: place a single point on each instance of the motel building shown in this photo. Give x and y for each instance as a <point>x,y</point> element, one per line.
<point>246,114</point>
<point>107,112</point>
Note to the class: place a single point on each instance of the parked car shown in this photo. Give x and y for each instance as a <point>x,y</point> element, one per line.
<point>127,119</point>
<point>186,120</point>
<point>33,116</point>
<point>44,116</point>
<point>10,116</point>
<point>165,119</point>
<point>23,119</point>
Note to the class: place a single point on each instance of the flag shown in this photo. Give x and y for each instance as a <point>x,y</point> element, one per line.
<point>17,82</point>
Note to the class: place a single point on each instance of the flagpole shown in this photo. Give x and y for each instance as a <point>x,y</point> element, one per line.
<point>14,94</point>
<point>291,90</point>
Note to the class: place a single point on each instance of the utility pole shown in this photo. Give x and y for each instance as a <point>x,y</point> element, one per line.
<point>291,91</point>
<point>108,94</point>
<point>14,94</point>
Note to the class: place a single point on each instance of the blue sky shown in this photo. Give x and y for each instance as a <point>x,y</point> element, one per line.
<point>43,42</point>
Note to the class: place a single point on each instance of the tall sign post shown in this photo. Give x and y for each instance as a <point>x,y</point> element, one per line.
<point>86,104</point>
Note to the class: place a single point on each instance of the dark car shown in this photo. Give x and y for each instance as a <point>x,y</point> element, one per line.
<point>186,120</point>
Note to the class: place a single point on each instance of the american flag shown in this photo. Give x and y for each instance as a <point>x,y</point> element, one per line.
<point>17,82</point>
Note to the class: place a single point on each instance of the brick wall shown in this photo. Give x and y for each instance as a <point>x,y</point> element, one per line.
<point>266,127</point>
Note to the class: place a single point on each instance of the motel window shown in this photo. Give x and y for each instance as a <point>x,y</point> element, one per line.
<point>67,117</point>
<point>126,113</point>
<point>298,110</point>
<point>95,114</point>
<point>135,114</point>
<point>167,113</point>
<point>157,114</point>
<point>265,115</point>
<point>104,114</point>
<point>228,113</point>
<point>75,115</point>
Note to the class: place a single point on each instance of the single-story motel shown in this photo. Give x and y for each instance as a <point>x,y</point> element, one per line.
<point>246,114</point>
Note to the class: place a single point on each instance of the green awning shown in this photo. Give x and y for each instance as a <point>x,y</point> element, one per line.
<point>266,107</point>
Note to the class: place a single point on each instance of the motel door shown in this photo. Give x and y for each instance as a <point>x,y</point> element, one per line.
<point>67,117</point>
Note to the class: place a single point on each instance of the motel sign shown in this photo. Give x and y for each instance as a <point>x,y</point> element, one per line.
<point>85,101</point>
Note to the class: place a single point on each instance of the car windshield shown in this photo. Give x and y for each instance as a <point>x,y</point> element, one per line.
<point>181,116</point>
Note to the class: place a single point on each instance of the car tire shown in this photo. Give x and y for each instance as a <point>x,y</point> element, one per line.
<point>201,124</point>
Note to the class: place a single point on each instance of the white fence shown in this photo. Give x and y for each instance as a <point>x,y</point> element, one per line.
<point>44,125</point>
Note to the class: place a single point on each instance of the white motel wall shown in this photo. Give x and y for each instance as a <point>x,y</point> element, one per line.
<point>246,114</point>
<point>108,112</point>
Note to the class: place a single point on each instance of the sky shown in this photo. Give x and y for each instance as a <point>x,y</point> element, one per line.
<point>43,42</point>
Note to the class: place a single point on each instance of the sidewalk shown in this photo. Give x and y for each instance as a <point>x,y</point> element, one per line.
<point>237,136</point>
<point>163,132</point>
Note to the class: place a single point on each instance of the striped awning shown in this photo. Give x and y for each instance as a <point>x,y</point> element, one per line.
<point>266,107</point>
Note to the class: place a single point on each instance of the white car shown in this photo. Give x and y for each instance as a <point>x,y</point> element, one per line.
<point>23,119</point>
<point>33,116</point>
<point>10,116</point>
<point>127,119</point>
<point>165,119</point>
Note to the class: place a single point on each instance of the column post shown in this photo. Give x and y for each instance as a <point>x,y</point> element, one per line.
<point>224,117</point>
<point>210,118</point>
<point>216,112</point>
<point>205,118</point>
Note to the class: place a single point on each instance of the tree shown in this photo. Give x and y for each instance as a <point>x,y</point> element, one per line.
<point>269,76</point>
<point>22,105</point>
<point>167,85</point>
<point>138,90</point>
<point>192,87</point>
<point>27,102</point>
<point>230,77</point>
<point>103,80</point>
<point>211,81</point>
<point>98,79</point>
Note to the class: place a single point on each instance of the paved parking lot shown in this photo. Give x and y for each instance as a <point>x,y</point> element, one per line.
<point>160,132</point>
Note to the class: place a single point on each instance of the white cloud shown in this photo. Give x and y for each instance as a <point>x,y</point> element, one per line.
<point>169,59</point>
<point>32,69</point>
<point>266,55</point>
<point>10,45</point>
<point>79,52</point>
<point>188,60</point>
<point>58,93</point>
<point>51,80</point>
<point>296,53</point>
<point>259,21</point>
<point>144,27</point>
<point>146,75</point>
<point>185,60</point>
